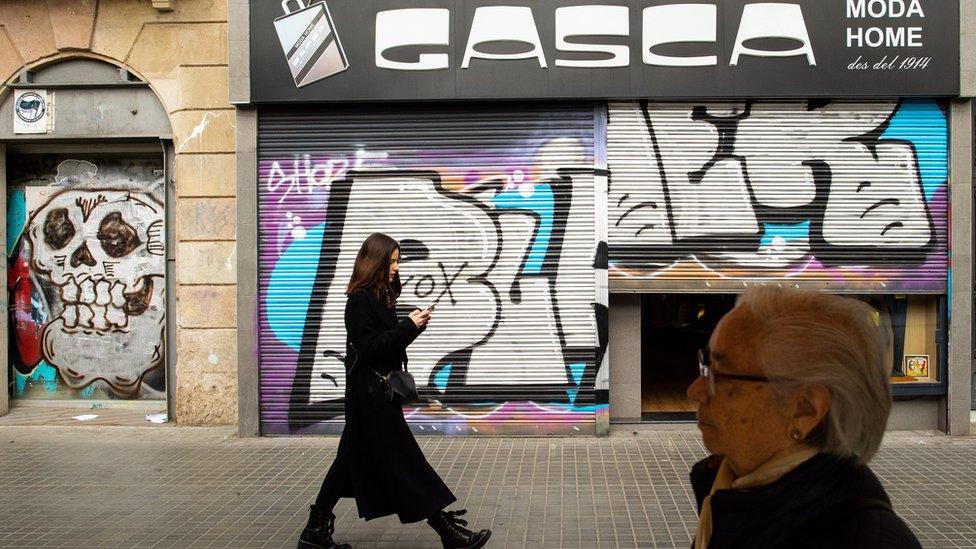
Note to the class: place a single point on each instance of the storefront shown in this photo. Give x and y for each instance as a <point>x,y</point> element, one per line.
<point>843,196</point>
<point>493,207</point>
<point>533,158</point>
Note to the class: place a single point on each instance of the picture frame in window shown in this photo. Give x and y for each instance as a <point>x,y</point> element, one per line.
<point>917,365</point>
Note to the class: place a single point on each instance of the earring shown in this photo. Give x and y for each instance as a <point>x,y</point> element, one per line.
<point>796,435</point>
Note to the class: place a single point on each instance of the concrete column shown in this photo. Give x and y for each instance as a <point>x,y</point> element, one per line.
<point>172,310</point>
<point>967,48</point>
<point>248,389</point>
<point>625,357</point>
<point>239,53</point>
<point>958,403</point>
<point>4,295</point>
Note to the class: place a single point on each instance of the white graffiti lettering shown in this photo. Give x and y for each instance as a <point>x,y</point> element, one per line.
<point>718,183</point>
<point>496,273</point>
<point>305,176</point>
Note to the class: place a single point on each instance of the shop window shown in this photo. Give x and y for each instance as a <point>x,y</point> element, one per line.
<point>675,326</point>
<point>914,326</point>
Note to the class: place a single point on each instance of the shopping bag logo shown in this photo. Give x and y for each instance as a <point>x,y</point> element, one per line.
<point>309,41</point>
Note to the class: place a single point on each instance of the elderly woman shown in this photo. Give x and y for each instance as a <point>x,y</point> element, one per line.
<point>793,399</point>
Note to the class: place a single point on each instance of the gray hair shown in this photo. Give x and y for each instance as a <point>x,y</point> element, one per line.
<point>816,338</point>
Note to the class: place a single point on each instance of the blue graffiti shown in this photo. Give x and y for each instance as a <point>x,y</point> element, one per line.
<point>542,202</point>
<point>796,231</point>
<point>16,218</point>
<point>43,373</point>
<point>576,370</point>
<point>47,376</point>
<point>924,125</point>
<point>290,288</point>
<point>442,377</point>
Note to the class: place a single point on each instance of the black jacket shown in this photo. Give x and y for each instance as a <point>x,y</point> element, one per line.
<point>825,502</point>
<point>387,471</point>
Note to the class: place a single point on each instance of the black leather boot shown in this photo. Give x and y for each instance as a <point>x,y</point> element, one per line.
<point>453,533</point>
<point>318,532</point>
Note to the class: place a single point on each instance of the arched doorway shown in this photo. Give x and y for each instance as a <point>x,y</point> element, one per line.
<point>85,156</point>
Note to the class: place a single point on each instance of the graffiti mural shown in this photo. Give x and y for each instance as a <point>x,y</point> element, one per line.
<point>849,194</point>
<point>506,249</point>
<point>86,277</point>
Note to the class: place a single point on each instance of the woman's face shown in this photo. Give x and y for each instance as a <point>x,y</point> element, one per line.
<point>394,265</point>
<point>744,421</point>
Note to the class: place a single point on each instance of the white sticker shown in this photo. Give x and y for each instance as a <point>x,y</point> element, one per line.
<point>31,111</point>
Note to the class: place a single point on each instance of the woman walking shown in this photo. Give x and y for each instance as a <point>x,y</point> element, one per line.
<point>378,461</point>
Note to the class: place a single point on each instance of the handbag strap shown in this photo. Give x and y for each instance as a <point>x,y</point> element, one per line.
<point>379,375</point>
<point>355,361</point>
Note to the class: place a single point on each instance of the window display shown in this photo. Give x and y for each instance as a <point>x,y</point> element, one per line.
<point>913,325</point>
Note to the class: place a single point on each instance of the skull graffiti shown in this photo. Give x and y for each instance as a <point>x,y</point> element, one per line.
<point>104,251</point>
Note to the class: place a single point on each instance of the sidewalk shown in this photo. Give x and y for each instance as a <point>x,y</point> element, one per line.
<point>168,486</point>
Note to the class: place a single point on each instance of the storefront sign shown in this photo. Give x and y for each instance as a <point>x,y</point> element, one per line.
<point>356,50</point>
<point>31,111</point>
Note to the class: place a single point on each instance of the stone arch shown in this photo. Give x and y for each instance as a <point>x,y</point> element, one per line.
<point>127,105</point>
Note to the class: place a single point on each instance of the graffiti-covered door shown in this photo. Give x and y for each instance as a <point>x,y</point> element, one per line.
<point>86,263</point>
<point>493,207</point>
<point>846,196</point>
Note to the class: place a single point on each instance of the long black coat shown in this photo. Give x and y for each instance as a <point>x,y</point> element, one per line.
<point>825,502</point>
<point>385,470</point>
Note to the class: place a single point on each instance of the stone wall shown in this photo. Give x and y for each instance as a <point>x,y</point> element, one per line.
<point>183,54</point>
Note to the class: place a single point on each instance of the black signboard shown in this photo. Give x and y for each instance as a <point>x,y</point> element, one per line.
<point>382,50</point>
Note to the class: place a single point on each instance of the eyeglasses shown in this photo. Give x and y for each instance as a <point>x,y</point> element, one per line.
<point>705,369</point>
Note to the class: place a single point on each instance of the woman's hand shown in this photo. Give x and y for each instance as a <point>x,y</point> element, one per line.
<point>419,317</point>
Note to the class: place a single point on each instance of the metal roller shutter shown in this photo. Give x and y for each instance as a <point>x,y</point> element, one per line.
<point>828,195</point>
<point>87,272</point>
<point>493,206</point>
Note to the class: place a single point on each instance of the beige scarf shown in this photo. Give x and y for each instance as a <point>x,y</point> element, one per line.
<point>770,471</point>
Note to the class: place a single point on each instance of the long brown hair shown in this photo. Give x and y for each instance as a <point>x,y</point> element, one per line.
<point>371,272</point>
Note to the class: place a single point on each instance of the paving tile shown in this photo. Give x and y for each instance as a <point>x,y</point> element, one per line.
<point>137,487</point>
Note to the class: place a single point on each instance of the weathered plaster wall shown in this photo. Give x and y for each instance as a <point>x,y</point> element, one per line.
<point>183,55</point>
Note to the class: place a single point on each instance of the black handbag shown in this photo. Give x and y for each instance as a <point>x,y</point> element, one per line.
<point>398,385</point>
